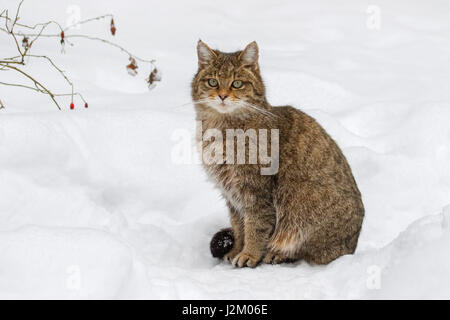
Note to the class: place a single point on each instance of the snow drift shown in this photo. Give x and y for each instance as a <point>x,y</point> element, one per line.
<point>93,205</point>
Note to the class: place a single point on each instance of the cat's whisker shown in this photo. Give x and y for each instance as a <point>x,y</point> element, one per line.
<point>258,109</point>
<point>192,103</point>
<point>203,100</point>
<point>255,107</point>
<point>243,104</point>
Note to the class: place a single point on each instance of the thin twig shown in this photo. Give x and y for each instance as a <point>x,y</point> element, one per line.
<point>54,66</point>
<point>24,25</point>
<point>37,89</point>
<point>94,39</point>
<point>37,83</point>
<point>11,32</point>
<point>87,21</point>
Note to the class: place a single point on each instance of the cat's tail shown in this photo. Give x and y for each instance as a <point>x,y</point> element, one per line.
<point>284,241</point>
<point>222,243</point>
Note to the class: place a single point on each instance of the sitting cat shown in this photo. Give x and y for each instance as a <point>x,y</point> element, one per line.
<point>310,208</point>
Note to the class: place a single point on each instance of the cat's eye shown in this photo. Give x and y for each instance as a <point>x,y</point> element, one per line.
<point>237,84</point>
<point>213,82</point>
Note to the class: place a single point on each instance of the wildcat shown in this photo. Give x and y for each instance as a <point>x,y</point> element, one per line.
<point>311,207</point>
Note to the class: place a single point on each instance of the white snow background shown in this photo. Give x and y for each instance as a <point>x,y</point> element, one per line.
<point>93,205</point>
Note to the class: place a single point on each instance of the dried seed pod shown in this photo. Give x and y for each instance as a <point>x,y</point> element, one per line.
<point>113,27</point>
<point>155,75</point>
<point>25,43</point>
<point>132,67</point>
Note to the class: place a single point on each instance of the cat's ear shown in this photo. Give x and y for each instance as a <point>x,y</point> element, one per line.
<point>205,54</point>
<point>249,56</point>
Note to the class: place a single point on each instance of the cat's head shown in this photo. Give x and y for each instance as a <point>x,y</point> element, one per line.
<point>228,82</point>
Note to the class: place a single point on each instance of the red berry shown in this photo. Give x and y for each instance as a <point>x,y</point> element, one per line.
<point>72,106</point>
<point>86,105</point>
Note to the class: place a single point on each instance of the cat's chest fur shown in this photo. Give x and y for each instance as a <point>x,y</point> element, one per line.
<point>240,184</point>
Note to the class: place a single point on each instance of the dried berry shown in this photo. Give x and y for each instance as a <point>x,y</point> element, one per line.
<point>113,27</point>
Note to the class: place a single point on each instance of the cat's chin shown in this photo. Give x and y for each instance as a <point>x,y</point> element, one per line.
<point>224,108</point>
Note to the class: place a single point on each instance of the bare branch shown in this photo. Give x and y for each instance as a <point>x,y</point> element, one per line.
<point>21,86</point>
<point>54,66</point>
<point>37,89</point>
<point>13,27</point>
<point>10,30</point>
<point>112,44</point>
<point>37,83</point>
<point>87,21</point>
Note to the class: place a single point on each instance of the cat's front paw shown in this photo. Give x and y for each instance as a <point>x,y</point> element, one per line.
<point>232,254</point>
<point>274,258</point>
<point>244,259</point>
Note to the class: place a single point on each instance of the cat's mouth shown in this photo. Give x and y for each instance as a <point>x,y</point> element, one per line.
<point>224,106</point>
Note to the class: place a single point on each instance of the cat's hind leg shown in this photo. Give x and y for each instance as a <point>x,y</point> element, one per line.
<point>285,245</point>
<point>276,258</point>
<point>328,244</point>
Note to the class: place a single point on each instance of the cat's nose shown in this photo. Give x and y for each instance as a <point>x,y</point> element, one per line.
<point>223,96</point>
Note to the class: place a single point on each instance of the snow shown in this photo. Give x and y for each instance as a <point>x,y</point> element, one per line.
<point>95,204</point>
